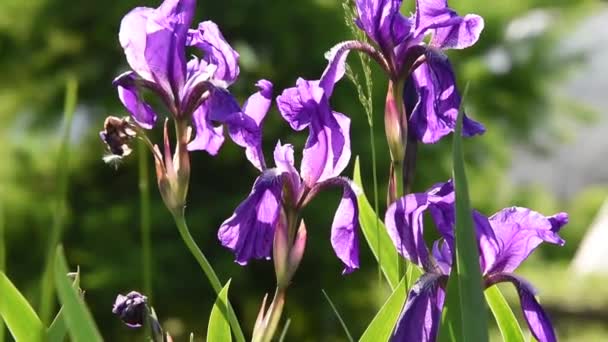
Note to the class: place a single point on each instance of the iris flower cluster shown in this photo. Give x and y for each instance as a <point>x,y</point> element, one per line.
<point>422,105</point>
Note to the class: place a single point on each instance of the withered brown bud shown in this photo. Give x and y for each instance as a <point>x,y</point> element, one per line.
<point>117,134</point>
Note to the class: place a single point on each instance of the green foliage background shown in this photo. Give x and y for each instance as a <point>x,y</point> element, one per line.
<point>43,42</point>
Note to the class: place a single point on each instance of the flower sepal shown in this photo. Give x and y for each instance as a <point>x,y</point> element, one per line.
<point>173,171</point>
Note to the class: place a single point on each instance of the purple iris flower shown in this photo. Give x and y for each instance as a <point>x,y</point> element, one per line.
<point>283,190</point>
<point>432,99</point>
<point>155,42</point>
<point>250,231</point>
<point>504,241</point>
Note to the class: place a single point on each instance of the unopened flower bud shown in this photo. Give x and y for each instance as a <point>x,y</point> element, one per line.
<point>132,309</point>
<point>395,124</point>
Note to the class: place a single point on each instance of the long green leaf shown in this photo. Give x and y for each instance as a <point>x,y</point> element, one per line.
<point>58,330</point>
<point>386,256</point>
<point>337,313</point>
<point>47,297</point>
<point>21,320</point>
<point>77,316</point>
<point>219,326</point>
<point>470,314</point>
<point>2,262</point>
<point>505,319</point>
<point>382,325</point>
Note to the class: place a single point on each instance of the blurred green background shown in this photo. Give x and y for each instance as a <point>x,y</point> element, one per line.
<point>523,86</point>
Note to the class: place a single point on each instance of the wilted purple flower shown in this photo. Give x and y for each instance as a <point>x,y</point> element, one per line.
<point>280,191</point>
<point>155,41</point>
<point>408,60</point>
<point>504,240</point>
<point>132,309</point>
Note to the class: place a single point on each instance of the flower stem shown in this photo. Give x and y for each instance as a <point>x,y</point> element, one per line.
<point>47,298</point>
<point>182,227</point>
<point>275,311</point>
<point>2,262</point>
<point>144,193</point>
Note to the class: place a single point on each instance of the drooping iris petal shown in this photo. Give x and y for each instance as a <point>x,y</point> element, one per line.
<point>537,319</point>
<point>208,38</point>
<point>558,221</point>
<point>449,30</point>
<point>435,113</point>
<point>131,98</point>
<point>221,107</point>
<point>489,246</point>
<point>419,320</point>
<point>344,237</point>
<point>249,232</point>
<point>382,22</point>
<point>518,232</point>
<point>404,223</point>
<point>443,256</point>
<point>336,66</point>
<point>297,104</point>
<point>208,137</point>
<point>132,37</point>
<point>255,108</point>
<point>327,150</point>
<point>154,42</point>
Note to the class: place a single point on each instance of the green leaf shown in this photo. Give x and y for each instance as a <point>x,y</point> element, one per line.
<point>77,317</point>
<point>505,319</point>
<point>468,311</point>
<point>21,320</point>
<point>285,329</point>
<point>2,264</point>
<point>382,325</point>
<point>337,313</point>
<point>219,326</point>
<point>58,330</point>
<point>47,296</point>
<point>376,235</point>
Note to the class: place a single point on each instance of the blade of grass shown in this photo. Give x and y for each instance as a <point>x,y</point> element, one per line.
<point>465,282</point>
<point>21,320</point>
<point>383,324</point>
<point>284,331</point>
<point>337,313</point>
<point>2,261</point>
<point>219,326</point>
<point>47,300</point>
<point>376,238</point>
<point>505,319</point>
<point>144,212</point>
<point>366,99</point>
<point>77,316</point>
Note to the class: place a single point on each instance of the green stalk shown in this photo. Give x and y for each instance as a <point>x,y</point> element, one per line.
<point>372,140</point>
<point>182,227</point>
<point>144,210</point>
<point>47,300</point>
<point>2,261</point>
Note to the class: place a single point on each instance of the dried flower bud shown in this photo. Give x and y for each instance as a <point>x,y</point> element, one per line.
<point>132,309</point>
<point>117,134</point>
